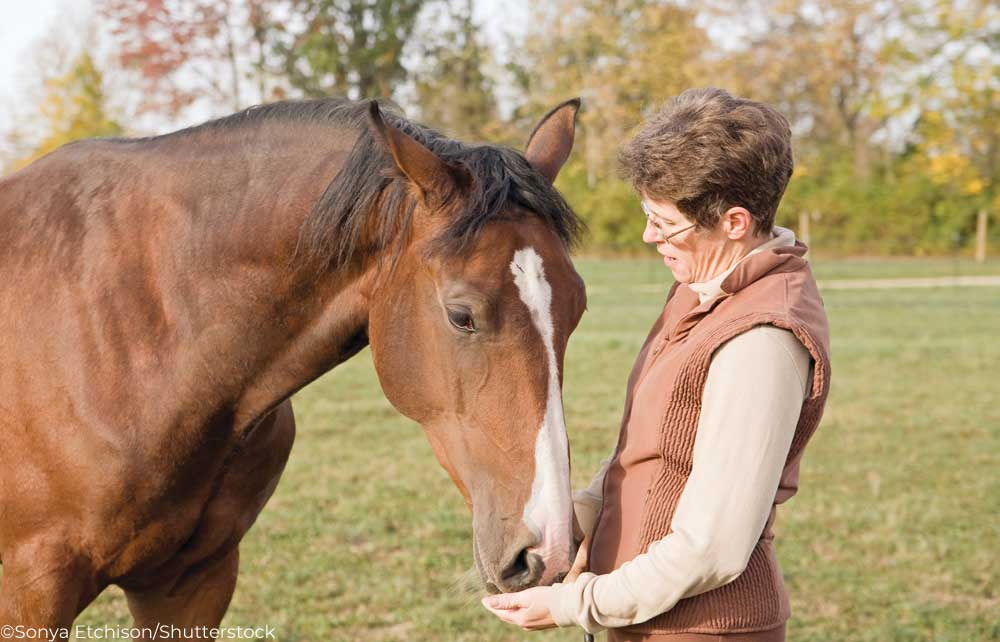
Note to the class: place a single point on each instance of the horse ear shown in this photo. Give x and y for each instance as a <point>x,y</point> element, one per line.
<point>424,168</point>
<point>552,139</point>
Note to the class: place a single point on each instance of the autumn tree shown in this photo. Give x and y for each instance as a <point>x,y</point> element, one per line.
<point>73,107</point>
<point>186,51</point>
<point>624,58</point>
<point>890,102</point>
<point>830,66</point>
<point>956,135</point>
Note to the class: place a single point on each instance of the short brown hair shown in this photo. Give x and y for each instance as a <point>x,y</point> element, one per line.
<point>707,151</point>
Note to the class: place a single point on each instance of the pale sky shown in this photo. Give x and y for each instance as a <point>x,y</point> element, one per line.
<point>24,22</point>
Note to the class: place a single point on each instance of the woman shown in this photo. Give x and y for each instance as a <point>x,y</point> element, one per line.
<point>726,391</point>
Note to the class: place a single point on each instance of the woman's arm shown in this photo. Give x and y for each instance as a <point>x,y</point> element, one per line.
<point>750,407</point>
<point>586,506</point>
<point>587,501</point>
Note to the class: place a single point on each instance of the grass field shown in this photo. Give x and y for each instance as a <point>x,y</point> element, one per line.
<point>894,535</point>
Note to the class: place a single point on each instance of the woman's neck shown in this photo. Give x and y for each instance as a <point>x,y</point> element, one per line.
<point>725,256</point>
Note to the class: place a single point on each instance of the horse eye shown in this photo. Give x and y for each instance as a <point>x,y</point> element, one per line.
<point>461,319</point>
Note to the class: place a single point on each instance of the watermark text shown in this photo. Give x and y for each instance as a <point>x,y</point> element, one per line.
<point>159,632</point>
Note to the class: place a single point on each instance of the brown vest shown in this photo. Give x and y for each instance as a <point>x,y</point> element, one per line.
<point>653,458</point>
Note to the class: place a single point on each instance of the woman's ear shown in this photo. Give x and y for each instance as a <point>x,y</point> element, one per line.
<point>738,223</point>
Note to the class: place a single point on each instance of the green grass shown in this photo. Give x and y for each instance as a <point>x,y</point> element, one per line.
<point>897,267</point>
<point>894,534</point>
<point>650,271</point>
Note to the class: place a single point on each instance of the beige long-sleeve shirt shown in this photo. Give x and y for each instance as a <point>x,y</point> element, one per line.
<point>756,384</point>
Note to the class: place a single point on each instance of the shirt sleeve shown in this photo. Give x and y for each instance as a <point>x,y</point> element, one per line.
<point>587,501</point>
<point>753,395</point>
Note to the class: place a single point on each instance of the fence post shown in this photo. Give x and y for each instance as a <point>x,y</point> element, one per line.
<point>981,236</point>
<point>804,227</point>
<point>804,217</point>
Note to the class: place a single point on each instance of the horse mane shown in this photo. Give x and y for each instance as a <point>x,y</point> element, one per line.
<point>371,200</point>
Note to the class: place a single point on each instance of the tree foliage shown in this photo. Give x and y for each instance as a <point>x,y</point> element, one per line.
<point>185,51</point>
<point>453,88</point>
<point>351,47</point>
<point>623,58</point>
<point>893,105</point>
<point>73,107</point>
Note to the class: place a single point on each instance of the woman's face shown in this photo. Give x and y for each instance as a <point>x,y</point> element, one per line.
<point>680,251</point>
<point>693,254</point>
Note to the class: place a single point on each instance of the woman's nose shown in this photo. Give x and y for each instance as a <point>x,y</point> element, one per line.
<point>650,235</point>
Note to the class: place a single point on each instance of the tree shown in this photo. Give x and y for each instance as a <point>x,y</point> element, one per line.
<point>833,67</point>
<point>958,91</point>
<point>193,50</point>
<point>351,47</point>
<point>452,88</point>
<point>624,58</point>
<point>74,107</point>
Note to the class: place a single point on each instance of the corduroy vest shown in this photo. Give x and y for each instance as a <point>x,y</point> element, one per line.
<point>654,455</point>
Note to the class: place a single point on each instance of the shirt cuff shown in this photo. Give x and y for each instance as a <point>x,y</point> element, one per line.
<point>568,604</point>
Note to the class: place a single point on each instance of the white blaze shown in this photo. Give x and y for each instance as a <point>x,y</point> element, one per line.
<point>549,510</point>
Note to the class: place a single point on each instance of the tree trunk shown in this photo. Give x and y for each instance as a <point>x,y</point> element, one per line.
<point>981,236</point>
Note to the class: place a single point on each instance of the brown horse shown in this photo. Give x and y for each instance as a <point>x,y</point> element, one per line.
<point>162,299</point>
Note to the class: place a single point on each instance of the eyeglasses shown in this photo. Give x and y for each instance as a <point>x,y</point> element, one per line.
<point>652,218</point>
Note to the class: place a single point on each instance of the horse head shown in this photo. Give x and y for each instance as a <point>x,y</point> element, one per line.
<point>468,332</point>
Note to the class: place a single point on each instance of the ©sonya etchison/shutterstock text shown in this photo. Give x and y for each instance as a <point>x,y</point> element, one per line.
<point>161,632</point>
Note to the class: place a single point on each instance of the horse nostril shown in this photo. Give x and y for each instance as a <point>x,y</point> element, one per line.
<point>524,571</point>
<point>518,567</point>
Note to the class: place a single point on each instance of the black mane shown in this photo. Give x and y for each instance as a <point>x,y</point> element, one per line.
<point>370,199</point>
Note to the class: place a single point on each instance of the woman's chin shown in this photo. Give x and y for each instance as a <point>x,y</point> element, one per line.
<point>675,269</point>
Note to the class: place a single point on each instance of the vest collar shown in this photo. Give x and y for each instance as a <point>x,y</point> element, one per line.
<point>707,290</point>
<point>753,266</point>
<point>777,259</point>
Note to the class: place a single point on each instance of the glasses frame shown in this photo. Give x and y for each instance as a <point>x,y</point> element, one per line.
<point>651,217</point>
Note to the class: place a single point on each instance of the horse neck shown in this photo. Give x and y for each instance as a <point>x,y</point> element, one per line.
<point>252,187</point>
<point>272,326</point>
